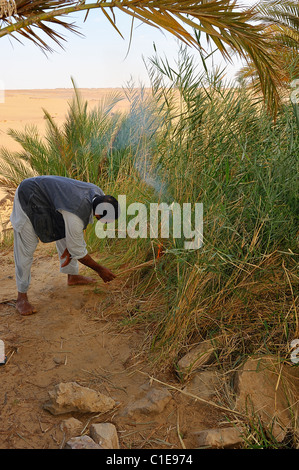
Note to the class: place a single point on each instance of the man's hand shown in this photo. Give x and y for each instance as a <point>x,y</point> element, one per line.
<point>106,274</point>
<point>103,272</point>
<point>68,258</point>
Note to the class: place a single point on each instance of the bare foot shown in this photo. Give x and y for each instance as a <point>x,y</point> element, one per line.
<point>23,306</point>
<point>76,280</point>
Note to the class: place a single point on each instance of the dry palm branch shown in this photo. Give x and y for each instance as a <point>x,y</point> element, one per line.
<point>231,28</point>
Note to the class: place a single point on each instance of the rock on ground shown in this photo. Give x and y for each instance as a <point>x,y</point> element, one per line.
<point>105,435</point>
<point>71,426</point>
<point>219,438</point>
<point>154,402</point>
<point>70,396</point>
<point>268,388</point>
<point>198,356</point>
<point>82,442</point>
<point>59,360</point>
<point>204,384</point>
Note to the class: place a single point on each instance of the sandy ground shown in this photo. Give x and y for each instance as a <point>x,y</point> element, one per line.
<point>77,335</point>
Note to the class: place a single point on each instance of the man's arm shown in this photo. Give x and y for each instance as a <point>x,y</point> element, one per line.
<point>88,261</point>
<point>103,272</point>
<point>76,247</point>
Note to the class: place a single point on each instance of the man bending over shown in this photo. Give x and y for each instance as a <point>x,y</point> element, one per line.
<point>56,208</point>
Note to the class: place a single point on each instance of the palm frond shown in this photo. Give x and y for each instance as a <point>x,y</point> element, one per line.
<point>28,10</point>
<point>13,169</point>
<point>281,20</point>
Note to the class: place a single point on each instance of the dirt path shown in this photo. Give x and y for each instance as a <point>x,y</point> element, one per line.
<point>78,335</point>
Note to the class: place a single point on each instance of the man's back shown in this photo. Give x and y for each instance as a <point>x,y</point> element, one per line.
<point>42,197</point>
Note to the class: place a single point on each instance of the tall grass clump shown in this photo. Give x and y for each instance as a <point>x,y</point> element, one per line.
<point>219,146</point>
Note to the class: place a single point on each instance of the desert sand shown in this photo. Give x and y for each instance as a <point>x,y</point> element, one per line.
<point>23,108</point>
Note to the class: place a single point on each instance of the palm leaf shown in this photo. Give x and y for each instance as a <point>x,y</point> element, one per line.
<point>281,20</point>
<point>13,169</point>
<point>28,10</point>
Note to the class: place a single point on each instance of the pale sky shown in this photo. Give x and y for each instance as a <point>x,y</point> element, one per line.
<point>98,60</point>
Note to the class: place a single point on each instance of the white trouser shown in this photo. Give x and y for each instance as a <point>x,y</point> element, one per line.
<point>25,243</point>
<point>72,267</point>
